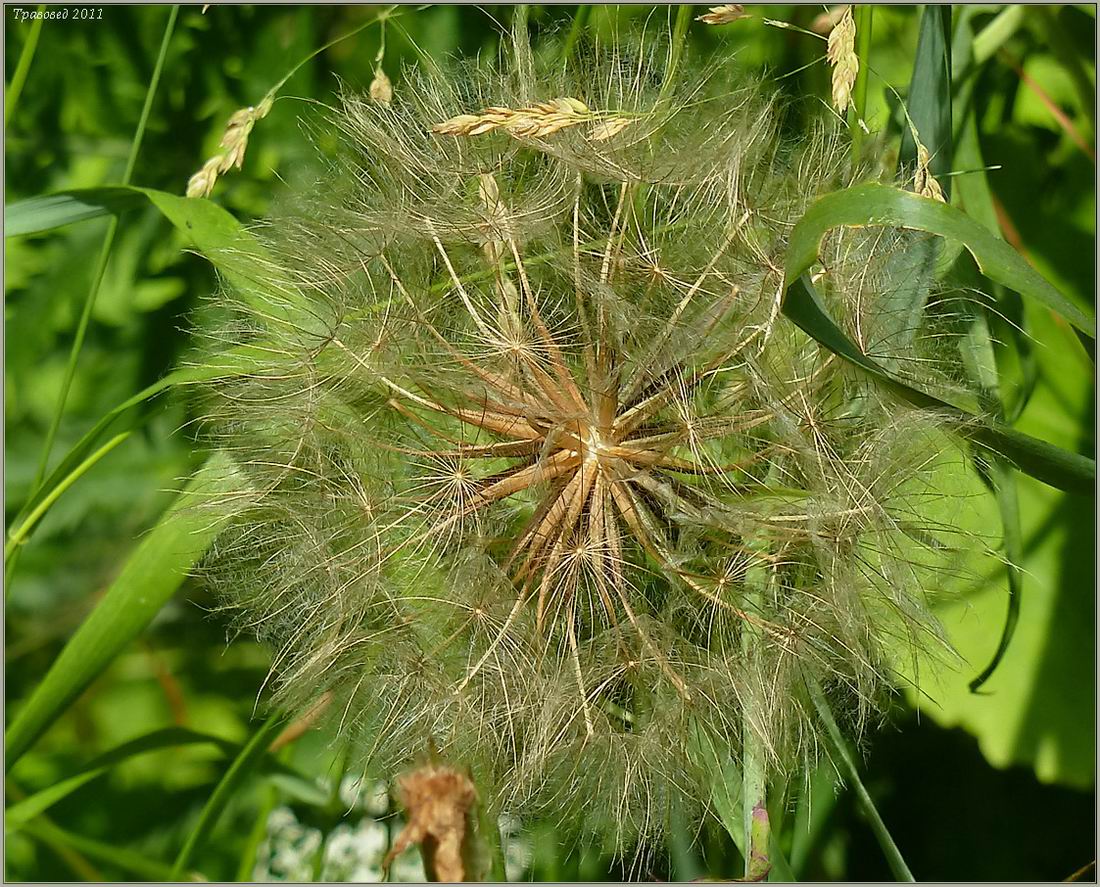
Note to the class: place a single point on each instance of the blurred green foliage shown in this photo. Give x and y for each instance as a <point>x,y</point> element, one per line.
<point>1032,97</point>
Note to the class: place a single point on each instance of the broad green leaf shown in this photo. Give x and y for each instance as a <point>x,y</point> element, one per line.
<point>1038,708</point>
<point>876,205</point>
<point>238,771</point>
<point>150,577</point>
<point>929,99</point>
<point>1058,467</point>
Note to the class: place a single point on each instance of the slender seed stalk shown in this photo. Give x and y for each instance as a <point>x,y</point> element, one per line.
<point>26,56</point>
<point>105,251</point>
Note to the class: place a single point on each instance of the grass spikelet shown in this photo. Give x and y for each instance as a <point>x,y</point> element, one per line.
<point>841,54</point>
<point>724,14</point>
<point>536,121</point>
<point>538,472</point>
<point>234,143</point>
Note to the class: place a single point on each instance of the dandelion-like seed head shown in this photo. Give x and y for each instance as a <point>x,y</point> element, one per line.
<point>536,469</point>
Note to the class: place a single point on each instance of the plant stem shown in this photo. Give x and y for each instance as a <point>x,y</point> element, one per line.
<point>858,117</point>
<point>242,765</point>
<point>580,17</point>
<point>754,789</point>
<point>104,253</point>
<point>20,533</point>
<point>890,849</point>
<point>675,49</point>
<point>15,88</point>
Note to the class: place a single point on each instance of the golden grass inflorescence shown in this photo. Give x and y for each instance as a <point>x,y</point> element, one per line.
<point>538,472</point>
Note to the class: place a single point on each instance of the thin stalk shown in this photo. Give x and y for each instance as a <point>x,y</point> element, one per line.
<point>15,88</point>
<point>675,49</point>
<point>580,18</point>
<point>890,849</point>
<point>754,789</point>
<point>249,757</point>
<point>19,535</point>
<point>105,252</point>
<point>858,117</point>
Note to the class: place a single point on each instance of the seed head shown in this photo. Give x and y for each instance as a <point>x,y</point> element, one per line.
<point>537,470</point>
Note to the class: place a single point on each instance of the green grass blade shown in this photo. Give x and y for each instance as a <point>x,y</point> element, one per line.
<point>247,864</point>
<point>575,30</point>
<point>19,534</point>
<point>1003,485</point>
<point>39,214</point>
<point>816,801</point>
<point>781,870</point>
<point>151,576</point>
<point>104,254</point>
<point>851,775</point>
<point>994,35</point>
<point>235,361</point>
<point>18,814</point>
<point>23,66</point>
<point>238,771</point>
<point>929,98</point>
<point>1046,462</point>
<point>874,205</point>
<point>143,868</point>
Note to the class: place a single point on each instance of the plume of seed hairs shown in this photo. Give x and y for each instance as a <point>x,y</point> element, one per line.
<point>531,449</point>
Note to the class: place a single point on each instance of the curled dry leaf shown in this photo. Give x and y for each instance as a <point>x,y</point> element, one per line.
<point>439,803</point>
<point>720,15</point>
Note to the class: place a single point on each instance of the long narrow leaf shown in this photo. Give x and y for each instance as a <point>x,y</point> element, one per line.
<point>151,576</point>
<point>38,214</point>
<point>238,771</point>
<point>851,775</point>
<point>34,805</point>
<point>128,861</point>
<point>929,99</point>
<point>235,361</point>
<point>1050,464</point>
<point>874,205</point>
